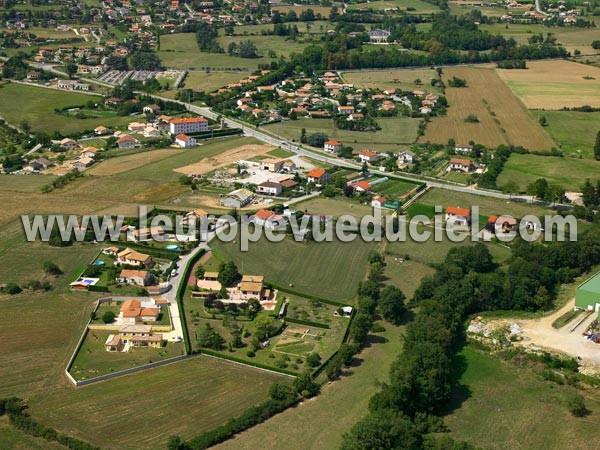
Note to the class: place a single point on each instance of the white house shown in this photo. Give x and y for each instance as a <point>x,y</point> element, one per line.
<point>185,141</point>
<point>461,165</point>
<point>332,146</point>
<point>183,125</point>
<point>406,157</point>
<point>461,148</point>
<point>455,216</point>
<point>368,156</point>
<point>379,35</point>
<point>378,201</point>
<point>269,188</point>
<point>127,142</point>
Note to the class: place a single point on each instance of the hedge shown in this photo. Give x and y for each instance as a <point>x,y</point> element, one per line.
<point>307,296</point>
<point>96,288</point>
<point>248,363</point>
<point>306,322</point>
<point>252,416</point>
<point>179,296</point>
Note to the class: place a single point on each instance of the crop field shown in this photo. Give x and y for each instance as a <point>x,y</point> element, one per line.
<point>574,132</point>
<point>336,207</point>
<point>567,172</point>
<point>554,84</point>
<point>185,398</point>
<point>459,8</point>
<point>36,105</point>
<point>283,9</point>
<point>180,50</point>
<point>396,132</point>
<point>420,7</point>
<point>385,79</point>
<point>209,82</point>
<point>506,407</point>
<point>327,269</point>
<point>502,119</point>
<point>121,164</point>
<point>313,423</point>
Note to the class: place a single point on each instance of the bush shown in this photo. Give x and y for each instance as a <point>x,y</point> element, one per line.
<point>13,288</point>
<point>52,269</point>
<point>108,317</point>
<point>576,406</point>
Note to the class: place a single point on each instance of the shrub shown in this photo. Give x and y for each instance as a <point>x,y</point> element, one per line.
<point>108,317</point>
<point>576,405</point>
<point>51,268</point>
<point>13,288</point>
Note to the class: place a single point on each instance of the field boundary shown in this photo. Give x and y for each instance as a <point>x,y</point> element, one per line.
<point>241,362</point>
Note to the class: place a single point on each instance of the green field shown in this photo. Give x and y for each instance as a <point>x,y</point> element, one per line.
<point>329,269</point>
<point>396,132</point>
<point>567,172</point>
<point>574,132</point>
<point>36,105</point>
<point>487,205</point>
<point>385,79</point>
<point>319,424</point>
<point>180,50</point>
<point>420,7</point>
<point>508,407</point>
<point>184,398</point>
<point>405,275</point>
<point>336,207</point>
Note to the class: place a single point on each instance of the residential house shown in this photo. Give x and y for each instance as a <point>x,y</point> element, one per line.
<point>185,141</point>
<point>269,188</point>
<point>101,130</point>
<point>355,117</point>
<point>90,152</point>
<point>379,36</point>
<point>406,157</point>
<point>40,164</point>
<point>136,127</point>
<point>152,108</point>
<point>69,144</point>
<point>456,216</point>
<point>252,286</point>
<point>332,146</point>
<point>461,165</point>
<point>272,165</point>
<point>127,142</point>
<point>140,336</point>
<point>151,132</point>
<point>503,224</point>
<point>146,234</point>
<point>82,163</point>
<point>136,277</point>
<point>131,257</point>
<point>361,186</point>
<point>461,148</point>
<point>378,201</point>
<point>318,176</point>
<point>368,156</point>
<point>73,85</point>
<point>346,110</point>
<point>288,184</point>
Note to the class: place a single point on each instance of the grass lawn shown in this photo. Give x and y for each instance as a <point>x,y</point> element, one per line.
<point>567,172</point>
<point>24,183</point>
<point>508,407</point>
<point>210,82</point>
<point>396,132</point>
<point>329,269</point>
<point>93,360</point>
<point>394,188</point>
<point>36,105</point>
<point>420,7</point>
<point>574,132</point>
<point>13,439</point>
<point>319,423</point>
<point>185,398</point>
<point>405,275</point>
<point>384,79</point>
<point>336,207</point>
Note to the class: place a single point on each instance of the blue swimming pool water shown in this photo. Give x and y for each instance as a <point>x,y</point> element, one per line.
<point>172,247</point>
<point>99,263</point>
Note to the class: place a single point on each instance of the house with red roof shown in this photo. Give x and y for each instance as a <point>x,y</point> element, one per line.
<point>318,176</point>
<point>461,165</point>
<point>368,156</point>
<point>332,146</point>
<point>456,216</point>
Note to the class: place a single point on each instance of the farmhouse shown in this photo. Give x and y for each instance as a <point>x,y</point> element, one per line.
<point>406,157</point>
<point>361,186</point>
<point>101,130</point>
<point>378,201</point>
<point>459,217</point>
<point>506,224</point>
<point>183,125</point>
<point>136,277</point>
<point>272,165</point>
<point>238,198</point>
<point>131,257</point>
<point>347,110</point>
<point>587,294</point>
<point>69,144</point>
<point>40,164</point>
<point>332,146</point>
<point>269,188</point>
<point>318,176</point>
<point>185,141</point>
<point>461,165</point>
<point>127,142</point>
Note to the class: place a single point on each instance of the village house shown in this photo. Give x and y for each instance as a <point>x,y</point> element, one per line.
<point>272,165</point>
<point>355,117</point>
<point>332,146</point>
<point>195,215</point>
<point>82,163</point>
<point>368,156</point>
<point>186,125</point>
<point>133,311</point>
<point>185,141</point>
<point>136,127</point>
<point>346,110</point>
<point>269,188</point>
<point>378,36</point>
<point>458,217</point>
<point>151,109</point>
<point>406,157</point>
<point>252,286</point>
<point>360,186</point>
<point>268,219</point>
<point>136,277</point>
<point>461,165</point>
<point>69,144</point>
<point>502,224</point>
<point>151,132</point>
<point>318,176</point>
<point>131,257</point>
<point>90,152</point>
<point>378,201</point>
<point>40,164</point>
<point>127,142</point>
<point>101,130</point>
<point>147,234</point>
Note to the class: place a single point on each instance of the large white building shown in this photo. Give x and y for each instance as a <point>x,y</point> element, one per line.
<point>185,125</point>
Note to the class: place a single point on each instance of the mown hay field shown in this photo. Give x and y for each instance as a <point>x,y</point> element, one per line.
<point>392,79</point>
<point>502,118</point>
<point>554,84</point>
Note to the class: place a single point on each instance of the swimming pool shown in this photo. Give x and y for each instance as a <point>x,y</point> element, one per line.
<point>172,247</point>
<point>99,263</point>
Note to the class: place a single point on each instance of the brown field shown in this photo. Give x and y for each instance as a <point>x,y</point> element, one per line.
<point>225,158</point>
<point>502,120</point>
<point>124,163</point>
<point>554,84</point>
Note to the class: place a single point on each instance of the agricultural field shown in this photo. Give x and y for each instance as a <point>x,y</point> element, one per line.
<point>461,8</point>
<point>554,84</point>
<point>418,6</point>
<point>405,274</point>
<point>574,132</point>
<point>567,172</point>
<point>36,105</point>
<point>313,423</point>
<point>209,82</point>
<point>334,273</point>
<point>502,119</point>
<point>396,132</point>
<point>336,207</point>
<point>298,9</point>
<point>503,406</point>
<point>392,79</point>
<point>176,407</point>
